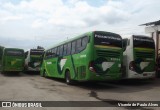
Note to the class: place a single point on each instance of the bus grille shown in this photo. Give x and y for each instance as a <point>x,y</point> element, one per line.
<point>106,53</point>
<point>144,55</point>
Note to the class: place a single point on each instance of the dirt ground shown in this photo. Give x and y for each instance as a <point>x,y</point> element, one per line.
<point>33,87</point>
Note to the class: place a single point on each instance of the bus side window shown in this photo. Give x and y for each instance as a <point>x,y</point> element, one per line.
<point>54,52</point>
<point>73,47</point>
<point>61,51</point>
<point>69,48</point>
<point>79,45</point>
<point>84,42</point>
<point>65,50</point>
<point>50,53</point>
<point>57,53</point>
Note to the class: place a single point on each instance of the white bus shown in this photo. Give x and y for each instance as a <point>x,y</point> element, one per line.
<point>138,57</point>
<point>33,58</point>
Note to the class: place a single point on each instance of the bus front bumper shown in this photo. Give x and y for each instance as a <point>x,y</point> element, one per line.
<point>145,75</point>
<point>106,77</point>
<point>33,69</point>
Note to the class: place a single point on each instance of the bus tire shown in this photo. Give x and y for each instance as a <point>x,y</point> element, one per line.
<point>68,78</point>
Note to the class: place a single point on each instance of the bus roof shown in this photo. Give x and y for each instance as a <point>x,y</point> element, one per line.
<point>79,36</point>
<point>69,40</point>
<point>141,36</point>
<point>36,49</point>
<point>13,49</point>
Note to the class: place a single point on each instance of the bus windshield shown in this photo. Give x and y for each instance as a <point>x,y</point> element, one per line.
<point>143,42</point>
<point>36,52</point>
<point>107,39</point>
<point>14,53</point>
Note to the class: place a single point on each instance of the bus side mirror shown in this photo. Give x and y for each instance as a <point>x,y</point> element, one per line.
<point>124,48</point>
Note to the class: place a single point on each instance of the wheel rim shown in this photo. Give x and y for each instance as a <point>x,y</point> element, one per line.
<point>67,78</point>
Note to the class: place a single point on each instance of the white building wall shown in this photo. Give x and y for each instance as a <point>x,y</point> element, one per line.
<point>155,33</point>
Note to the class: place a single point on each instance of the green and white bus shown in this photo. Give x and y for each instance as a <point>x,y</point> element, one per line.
<point>138,57</point>
<point>33,59</point>
<point>1,54</point>
<point>11,60</point>
<point>93,56</point>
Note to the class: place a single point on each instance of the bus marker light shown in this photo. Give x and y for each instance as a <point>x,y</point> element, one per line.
<point>91,68</point>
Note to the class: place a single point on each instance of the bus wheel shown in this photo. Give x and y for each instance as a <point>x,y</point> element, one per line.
<point>68,78</point>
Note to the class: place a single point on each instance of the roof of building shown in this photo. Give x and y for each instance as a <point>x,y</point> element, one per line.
<point>152,23</point>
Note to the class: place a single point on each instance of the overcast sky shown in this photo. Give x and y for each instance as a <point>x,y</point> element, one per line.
<point>28,23</point>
